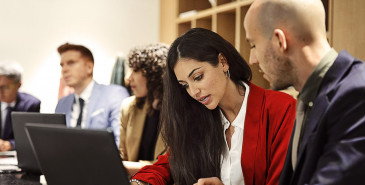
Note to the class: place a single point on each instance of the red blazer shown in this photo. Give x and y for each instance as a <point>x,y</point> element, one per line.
<point>269,121</point>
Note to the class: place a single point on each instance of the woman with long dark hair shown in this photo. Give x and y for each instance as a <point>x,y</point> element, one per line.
<point>219,127</point>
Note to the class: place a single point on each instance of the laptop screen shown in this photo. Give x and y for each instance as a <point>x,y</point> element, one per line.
<point>77,156</point>
<point>26,159</point>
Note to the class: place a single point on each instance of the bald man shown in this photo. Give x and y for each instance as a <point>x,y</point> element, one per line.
<point>288,41</point>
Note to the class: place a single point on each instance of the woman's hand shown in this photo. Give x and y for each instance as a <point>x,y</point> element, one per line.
<point>209,181</point>
<point>132,167</point>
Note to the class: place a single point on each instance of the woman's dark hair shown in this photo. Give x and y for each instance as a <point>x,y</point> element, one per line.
<point>193,133</point>
<point>151,61</point>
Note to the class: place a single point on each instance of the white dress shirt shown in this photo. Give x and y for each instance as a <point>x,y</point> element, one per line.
<point>231,170</point>
<point>85,95</point>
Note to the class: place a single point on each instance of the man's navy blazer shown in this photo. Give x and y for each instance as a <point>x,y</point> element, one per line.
<point>103,109</point>
<point>332,147</point>
<point>24,103</point>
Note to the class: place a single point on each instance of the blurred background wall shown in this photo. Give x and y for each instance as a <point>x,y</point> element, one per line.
<point>31,31</point>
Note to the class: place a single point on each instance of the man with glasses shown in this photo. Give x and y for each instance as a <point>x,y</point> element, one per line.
<point>12,100</point>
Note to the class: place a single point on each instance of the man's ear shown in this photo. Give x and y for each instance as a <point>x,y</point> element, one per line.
<point>19,84</point>
<point>90,67</point>
<point>223,61</point>
<point>280,40</point>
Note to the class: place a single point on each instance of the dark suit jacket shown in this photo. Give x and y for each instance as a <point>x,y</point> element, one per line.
<point>24,103</point>
<point>332,148</point>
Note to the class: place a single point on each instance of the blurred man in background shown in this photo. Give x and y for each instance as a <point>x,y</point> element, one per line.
<point>12,100</point>
<point>92,105</point>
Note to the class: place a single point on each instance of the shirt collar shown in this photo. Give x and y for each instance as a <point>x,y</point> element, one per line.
<point>4,105</point>
<point>311,86</point>
<point>85,95</point>
<point>240,118</point>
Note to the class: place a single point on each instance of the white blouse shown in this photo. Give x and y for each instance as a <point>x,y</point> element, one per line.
<point>231,170</point>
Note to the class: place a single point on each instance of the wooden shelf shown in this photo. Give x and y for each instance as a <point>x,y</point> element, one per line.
<point>204,22</point>
<point>226,18</point>
<point>184,27</point>
<point>188,5</point>
<point>226,26</point>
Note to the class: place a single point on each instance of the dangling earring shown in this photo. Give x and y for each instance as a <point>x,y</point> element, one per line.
<point>228,75</point>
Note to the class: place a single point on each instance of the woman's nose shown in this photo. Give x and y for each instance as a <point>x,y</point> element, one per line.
<point>195,91</point>
<point>128,78</point>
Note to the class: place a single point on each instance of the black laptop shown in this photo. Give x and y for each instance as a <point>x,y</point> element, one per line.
<point>75,156</point>
<point>26,159</point>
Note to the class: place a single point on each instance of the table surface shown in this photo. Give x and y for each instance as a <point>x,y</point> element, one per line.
<point>19,179</point>
<point>15,178</point>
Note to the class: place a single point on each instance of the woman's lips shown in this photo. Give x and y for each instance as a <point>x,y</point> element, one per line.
<point>204,100</point>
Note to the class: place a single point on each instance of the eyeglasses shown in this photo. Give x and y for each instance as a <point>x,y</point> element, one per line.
<point>7,87</point>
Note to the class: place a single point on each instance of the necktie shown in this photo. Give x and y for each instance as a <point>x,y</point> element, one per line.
<point>81,103</point>
<point>297,132</point>
<point>6,131</point>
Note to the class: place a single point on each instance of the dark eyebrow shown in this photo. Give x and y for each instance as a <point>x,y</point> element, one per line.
<point>193,71</point>
<point>190,73</point>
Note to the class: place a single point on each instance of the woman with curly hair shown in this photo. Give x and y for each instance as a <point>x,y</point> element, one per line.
<point>140,139</point>
<point>218,126</point>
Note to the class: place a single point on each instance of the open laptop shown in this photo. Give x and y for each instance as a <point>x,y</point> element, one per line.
<point>75,156</point>
<point>26,159</point>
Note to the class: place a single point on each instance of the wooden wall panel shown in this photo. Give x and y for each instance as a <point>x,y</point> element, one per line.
<point>348,26</point>
<point>168,27</point>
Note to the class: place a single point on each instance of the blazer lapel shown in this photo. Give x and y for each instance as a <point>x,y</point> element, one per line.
<point>160,147</point>
<point>92,104</point>
<point>134,132</point>
<point>251,132</point>
<point>69,101</point>
<point>314,118</point>
<point>18,103</point>
<point>330,80</point>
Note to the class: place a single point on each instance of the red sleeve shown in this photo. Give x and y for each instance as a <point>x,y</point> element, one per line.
<point>283,119</point>
<point>156,174</point>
